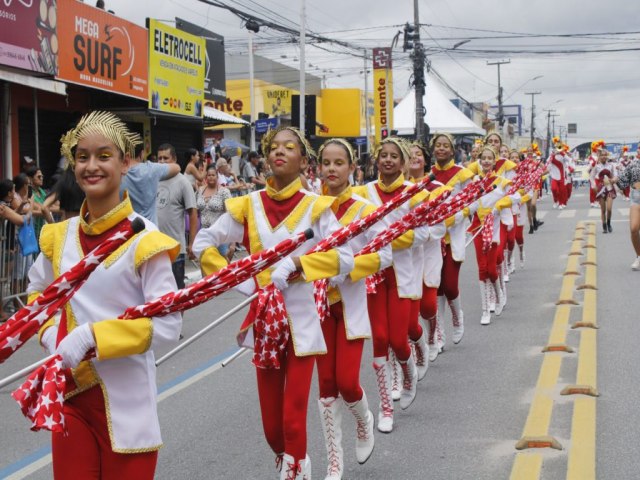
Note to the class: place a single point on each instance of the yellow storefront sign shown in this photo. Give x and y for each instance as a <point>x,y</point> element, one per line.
<point>382,91</point>
<point>176,70</point>
<point>341,112</point>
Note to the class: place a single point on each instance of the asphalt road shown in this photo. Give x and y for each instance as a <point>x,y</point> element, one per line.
<point>471,407</point>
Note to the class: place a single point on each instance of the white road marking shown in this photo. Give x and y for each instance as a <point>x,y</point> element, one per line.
<point>567,213</point>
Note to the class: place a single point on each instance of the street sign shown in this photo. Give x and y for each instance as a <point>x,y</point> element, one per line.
<point>360,140</point>
<point>265,124</point>
<point>572,128</point>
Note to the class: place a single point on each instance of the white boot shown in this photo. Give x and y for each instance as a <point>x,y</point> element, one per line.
<point>503,290</point>
<point>383,379</point>
<point>433,344</point>
<point>440,335</point>
<point>521,247</point>
<point>295,471</point>
<point>421,351</point>
<point>331,421</point>
<point>492,300</point>
<point>458,319</point>
<point>364,428</point>
<point>395,376</point>
<point>409,383</point>
<point>499,296</point>
<point>511,263</point>
<point>485,297</point>
<point>504,268</point>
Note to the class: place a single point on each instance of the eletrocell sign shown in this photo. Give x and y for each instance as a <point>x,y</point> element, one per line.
<point>176,70</point>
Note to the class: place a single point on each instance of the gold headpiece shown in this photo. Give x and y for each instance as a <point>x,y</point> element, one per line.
<point>439,134</point>
<point>398,142</point>
<point>490,149</point>
<point>343,143</point>
<point>307,151</point>
<point>101,123</point>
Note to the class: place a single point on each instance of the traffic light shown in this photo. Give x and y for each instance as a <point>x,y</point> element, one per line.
<point>410,36</point>
<point>309,114</point>
<point>384,133</point>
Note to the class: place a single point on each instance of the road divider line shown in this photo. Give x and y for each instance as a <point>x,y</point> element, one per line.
<point>527,467</point>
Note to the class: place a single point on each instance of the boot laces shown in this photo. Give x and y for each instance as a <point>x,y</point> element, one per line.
<point>293,469</point>
<point>385,401</point>
<point>279,460</point>
<point>361,426</point>
<point>332,447</point>
<point>454,315</point>
<point>407,374</point>
<point>419,352</point>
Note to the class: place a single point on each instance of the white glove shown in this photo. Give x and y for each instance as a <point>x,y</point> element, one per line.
<point>495,212</point>
<point>458,217</point>
<point>338,279</point>
<point>515,198</point>
<point>75,346</point>
<point>248,287</point>
<point>48,339</point>
<point>280,276</point>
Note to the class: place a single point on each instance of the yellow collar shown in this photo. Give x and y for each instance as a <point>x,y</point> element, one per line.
<point>446,167</point>
<point>393,187</point>
<point>108,220</point>
<point>345,195</point>
<point>286,192</point>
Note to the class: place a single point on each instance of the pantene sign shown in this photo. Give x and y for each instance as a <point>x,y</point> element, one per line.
<point>382,90</point>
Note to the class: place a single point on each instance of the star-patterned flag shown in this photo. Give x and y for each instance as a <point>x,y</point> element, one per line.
<point>41,397</point>
<point>487,232</point>
<point>27,321</point>
<point>217,283</point>
<point>270,328</point>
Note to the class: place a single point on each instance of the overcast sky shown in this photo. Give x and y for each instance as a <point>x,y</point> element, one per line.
<point>598,91</point>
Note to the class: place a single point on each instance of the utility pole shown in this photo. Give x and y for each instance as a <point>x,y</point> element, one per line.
<point>303,28</point>
<point>549,114</point>
<point>418,75</point>
<point>500,111</point>
<point>252,96</point>
<point>533,112</point>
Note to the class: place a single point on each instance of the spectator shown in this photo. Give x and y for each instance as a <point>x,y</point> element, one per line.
<point>142,180</point>
<point>249,171</point>
<point>10,219</point>
<point>229,179</point>
<point>191,171</point>
<point>210,200</point>
<point>370,168</point>
<point>69,195</point>
<point>40,212</point>
<point>175,199</point>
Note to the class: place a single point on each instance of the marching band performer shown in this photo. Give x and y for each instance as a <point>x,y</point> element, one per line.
<point>556,164</point>
<point>110,412</point>
<point>390,306</point>
<point>493,203</point>
<point>569,169</point>
<point>624,162</point>
<point>533,154</point>
<point>260,220</point>
<point>347,325</point>
<point>592,160</point>
<point>509,172</point>
<point>520,213</point>
<point>455,177</point>
<point>605,175</point>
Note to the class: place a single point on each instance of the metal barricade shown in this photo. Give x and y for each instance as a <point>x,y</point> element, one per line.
<point>14,270</point>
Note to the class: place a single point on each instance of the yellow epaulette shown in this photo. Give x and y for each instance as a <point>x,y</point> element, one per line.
<point>238,207</point>
<point>153,243</point>
<point>52,234</point>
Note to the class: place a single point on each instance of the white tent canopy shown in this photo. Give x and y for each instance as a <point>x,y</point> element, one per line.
<point>442,115</point>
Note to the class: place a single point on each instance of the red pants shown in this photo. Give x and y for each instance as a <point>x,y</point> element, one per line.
<point>502,245</point>
<point>592,195</point>
<point>389,315</point>
<point>429,309</point>
<point>85,452</point>
<point>519,234</point>
<point>415,329</point>
<point>569,189</point>
<point>449,276</point>
<point>339,369</point>
<point>626,191</point>
<point>284,395</point>
<point>487,261</point>
<point>559,192</point>
<point>511,235</point>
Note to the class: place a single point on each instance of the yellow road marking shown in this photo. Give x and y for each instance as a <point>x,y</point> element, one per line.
<point>527,466</point>
<point>558,335</point>
<point>582,455</point>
